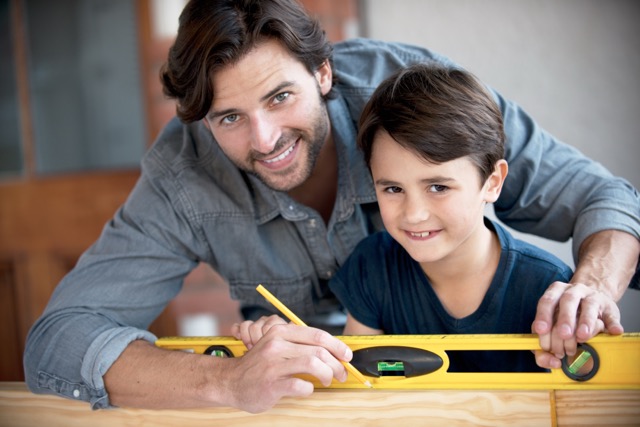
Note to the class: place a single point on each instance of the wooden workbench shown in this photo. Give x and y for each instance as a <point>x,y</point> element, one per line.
<point>19,407</point>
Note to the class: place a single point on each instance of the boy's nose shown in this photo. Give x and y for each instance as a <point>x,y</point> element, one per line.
<point>416,210</point>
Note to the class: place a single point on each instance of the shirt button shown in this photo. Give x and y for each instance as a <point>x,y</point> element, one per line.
<point>290,207</point>
<point>312,223</point>
<point>76,393</point>
<point>329,274</point>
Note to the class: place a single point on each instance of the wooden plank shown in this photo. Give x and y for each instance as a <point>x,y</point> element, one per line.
<point>450,408</point>
<point>598,407</point>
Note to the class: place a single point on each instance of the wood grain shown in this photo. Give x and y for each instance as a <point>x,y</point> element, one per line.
<point>451,408</point>
<point>598,407</point>
<point>19,407</point>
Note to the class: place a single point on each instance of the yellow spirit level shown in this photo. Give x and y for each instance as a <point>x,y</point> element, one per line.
<point>421,361</point>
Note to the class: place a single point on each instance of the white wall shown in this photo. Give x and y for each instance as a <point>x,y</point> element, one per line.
<point>574,65</point>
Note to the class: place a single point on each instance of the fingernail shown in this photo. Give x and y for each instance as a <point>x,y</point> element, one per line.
<point>540,326</point>
<point>584,330</point>
<point>348,354</point>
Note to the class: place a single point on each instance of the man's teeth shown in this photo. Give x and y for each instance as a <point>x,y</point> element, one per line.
<point>281,156</point>
<point>423,234</point>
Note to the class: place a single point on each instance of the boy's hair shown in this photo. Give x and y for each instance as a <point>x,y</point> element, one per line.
<point>440,114</point>
<point>216,33</point>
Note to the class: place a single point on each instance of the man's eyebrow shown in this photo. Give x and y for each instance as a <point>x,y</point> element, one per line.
<point>276,89</point>
<point>214,114</point>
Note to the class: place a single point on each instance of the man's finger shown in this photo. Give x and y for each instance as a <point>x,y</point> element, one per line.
<point>546,309</point>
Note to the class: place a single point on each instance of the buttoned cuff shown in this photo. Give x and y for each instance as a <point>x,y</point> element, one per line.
<point>102,352</point>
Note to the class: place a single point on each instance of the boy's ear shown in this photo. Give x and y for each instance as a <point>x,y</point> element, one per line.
<point>494,182</point>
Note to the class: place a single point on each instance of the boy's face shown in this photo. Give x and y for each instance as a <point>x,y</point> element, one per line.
<point>434,211</point>
<point>268,115</point>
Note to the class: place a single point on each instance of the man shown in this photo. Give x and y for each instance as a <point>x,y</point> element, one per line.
<point>261,179</point>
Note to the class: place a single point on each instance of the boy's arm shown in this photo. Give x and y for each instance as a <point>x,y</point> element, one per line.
<point>353,327</point>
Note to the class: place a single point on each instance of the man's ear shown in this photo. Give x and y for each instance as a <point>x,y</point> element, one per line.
<point>493,185</point>
<point>324,76</point>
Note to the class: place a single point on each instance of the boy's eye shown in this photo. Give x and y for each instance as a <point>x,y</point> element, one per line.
<point>393,189</point>
<point>435,188</point>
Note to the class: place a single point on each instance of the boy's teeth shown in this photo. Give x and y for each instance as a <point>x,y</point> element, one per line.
<point>423,234</point>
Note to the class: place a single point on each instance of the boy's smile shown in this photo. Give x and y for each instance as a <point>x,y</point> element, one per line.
<point>435,211</point>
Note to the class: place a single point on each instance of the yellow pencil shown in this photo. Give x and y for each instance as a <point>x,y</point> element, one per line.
<point>296,320</point>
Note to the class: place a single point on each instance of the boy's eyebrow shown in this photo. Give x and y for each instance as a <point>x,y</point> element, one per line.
<point>214,114</point>
<point>430,180</point>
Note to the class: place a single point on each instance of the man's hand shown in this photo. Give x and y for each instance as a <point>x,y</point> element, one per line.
<point>572,313</point>
<point>270,370</point>
<point>146,376</point>
<point>577,313</point>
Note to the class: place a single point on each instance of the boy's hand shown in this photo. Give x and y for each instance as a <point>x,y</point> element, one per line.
<point>251,331</point>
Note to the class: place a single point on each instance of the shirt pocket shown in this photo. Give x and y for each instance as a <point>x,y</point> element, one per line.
<point>295,293</point>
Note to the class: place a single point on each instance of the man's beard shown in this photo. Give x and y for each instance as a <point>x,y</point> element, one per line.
<point>313,142</point>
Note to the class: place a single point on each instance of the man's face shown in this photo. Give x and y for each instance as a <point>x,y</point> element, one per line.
<point>268,115</point>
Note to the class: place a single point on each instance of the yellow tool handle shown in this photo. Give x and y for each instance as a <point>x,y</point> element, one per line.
<point>618,361</point>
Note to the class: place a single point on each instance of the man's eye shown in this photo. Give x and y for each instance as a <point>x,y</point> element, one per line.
<point>393,189</point>
<point>280,97</point>
<point>438,188</point>
<point>231,118</point>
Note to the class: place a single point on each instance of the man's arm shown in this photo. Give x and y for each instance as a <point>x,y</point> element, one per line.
<point>570,313</point>
<point>145,376</point>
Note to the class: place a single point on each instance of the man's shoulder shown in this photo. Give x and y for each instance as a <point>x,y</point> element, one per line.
<point>186,156</point>
<point>178,143</point>
<point>387,56</point>
<point>361,64</point>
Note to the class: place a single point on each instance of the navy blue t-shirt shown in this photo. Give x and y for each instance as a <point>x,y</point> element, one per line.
<point>384,288</point>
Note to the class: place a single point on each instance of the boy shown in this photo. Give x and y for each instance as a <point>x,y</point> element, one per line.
<point>434,141</point>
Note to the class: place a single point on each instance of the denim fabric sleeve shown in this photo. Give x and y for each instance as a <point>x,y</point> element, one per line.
<point>119,286</point>
<point>554,191</point>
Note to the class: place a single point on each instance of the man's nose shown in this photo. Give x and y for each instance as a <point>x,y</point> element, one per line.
<point>264,133</point>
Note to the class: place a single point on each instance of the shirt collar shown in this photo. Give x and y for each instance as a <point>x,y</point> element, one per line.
<point>355,185</point>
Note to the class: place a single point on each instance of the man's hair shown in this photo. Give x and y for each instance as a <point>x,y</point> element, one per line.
<point>216,33</point>
<point>440,114</point>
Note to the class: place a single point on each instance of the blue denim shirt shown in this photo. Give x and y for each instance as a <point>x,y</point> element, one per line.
<point>191,205</point>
